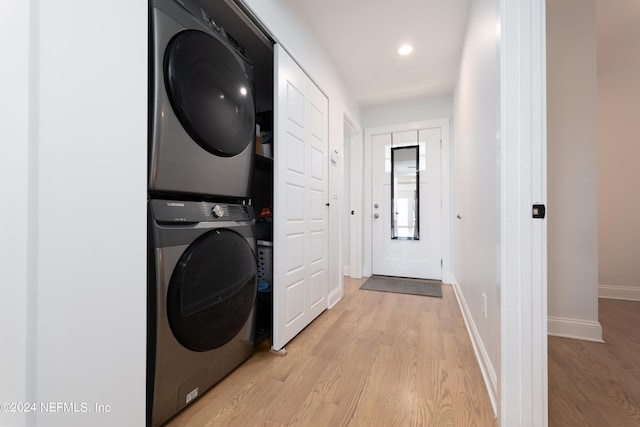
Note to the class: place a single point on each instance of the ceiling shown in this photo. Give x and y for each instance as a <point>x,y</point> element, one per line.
<point>363,36</point>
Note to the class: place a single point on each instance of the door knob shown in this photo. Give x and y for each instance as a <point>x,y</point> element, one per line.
<point>376,216</point>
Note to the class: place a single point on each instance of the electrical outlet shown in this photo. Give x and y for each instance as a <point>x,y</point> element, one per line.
<point>483,302</point>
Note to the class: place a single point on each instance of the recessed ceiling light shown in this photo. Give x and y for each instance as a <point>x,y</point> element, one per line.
<point>405,49</point>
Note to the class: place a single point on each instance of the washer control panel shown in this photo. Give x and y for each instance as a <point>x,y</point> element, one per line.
<point>175,211</point>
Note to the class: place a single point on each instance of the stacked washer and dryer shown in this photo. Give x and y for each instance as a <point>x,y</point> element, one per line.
<point>202,270</point>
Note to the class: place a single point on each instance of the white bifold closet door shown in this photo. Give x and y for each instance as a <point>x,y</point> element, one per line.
<point>300,268</point>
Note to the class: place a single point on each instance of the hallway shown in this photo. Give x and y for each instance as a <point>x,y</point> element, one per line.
<point>374,359</point>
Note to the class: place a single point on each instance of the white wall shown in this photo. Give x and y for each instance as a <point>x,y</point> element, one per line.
<point>413,110</point>
<point>294,35</point>
<point>572,170</point>
<point>77,291</point>
<point>476,240</point>
<point>14,207</point>
<point>619,167</point>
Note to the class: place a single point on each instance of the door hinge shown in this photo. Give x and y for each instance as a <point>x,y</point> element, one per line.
<point>441,263</point>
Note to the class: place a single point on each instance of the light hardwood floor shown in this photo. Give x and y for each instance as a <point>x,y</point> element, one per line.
<point>595,384</point>
<point>375,359</point>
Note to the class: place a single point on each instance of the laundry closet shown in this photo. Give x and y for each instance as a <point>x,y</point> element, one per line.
<point>203,316</point>
<point>238,200</point>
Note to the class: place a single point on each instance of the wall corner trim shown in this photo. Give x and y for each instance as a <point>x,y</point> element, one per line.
<point>629,293</point>
<point>335,297</point>
<point>586,330</point>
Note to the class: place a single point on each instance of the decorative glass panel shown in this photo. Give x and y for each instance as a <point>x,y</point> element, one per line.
<point>405,206</point>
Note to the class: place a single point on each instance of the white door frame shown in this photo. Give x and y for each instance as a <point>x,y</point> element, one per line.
<point>523,379</point>
<point>355,175</point>
<point>443,124</point>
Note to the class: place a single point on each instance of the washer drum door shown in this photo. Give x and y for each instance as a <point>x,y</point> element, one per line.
<point>212,290</point>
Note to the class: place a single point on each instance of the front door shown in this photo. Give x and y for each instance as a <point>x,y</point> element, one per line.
<point>407,203</point>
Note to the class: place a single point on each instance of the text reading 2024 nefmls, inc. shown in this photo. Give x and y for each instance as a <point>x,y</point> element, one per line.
<point>55,407</point>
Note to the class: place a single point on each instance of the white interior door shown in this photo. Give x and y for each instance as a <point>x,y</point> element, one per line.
<point>407,228</point>
<point>300,200</point>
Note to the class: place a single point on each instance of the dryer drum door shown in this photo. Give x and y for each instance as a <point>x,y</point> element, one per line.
<point>212,290</point>
<point>210,92</point>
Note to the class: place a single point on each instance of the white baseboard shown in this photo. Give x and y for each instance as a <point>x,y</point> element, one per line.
<point>586,330</point>
<point>488,373</point>
<point>630,293</point>
<point>334,297</point>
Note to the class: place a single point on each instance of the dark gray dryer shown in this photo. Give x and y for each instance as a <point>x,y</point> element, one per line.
<point>202,112</point>
<point>202,285</point>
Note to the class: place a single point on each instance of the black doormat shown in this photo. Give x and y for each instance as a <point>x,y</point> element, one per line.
<point>429,288</point>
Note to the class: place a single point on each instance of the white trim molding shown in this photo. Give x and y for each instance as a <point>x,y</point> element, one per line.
<point>629,293</point>
<point>18,165</point>
<point>586,330</point>
<point>356,202</point>
<point>335,297</point>
<point>488,372</point>
<point>524,363</point>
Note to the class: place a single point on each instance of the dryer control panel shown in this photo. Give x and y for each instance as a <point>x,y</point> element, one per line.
<point>185,212</point>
